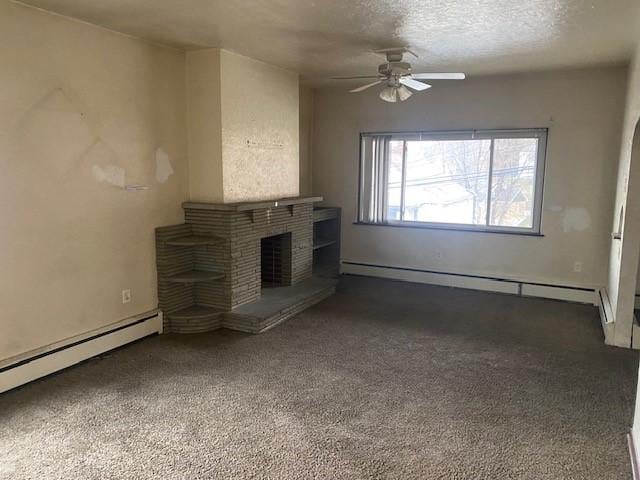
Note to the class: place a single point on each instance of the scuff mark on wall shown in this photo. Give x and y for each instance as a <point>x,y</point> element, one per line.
<point>576,219</point>
<point>163,166</point>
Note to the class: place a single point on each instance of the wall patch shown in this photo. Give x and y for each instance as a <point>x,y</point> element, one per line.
<point>576,219</point>
<point>111,174</point>
<point>163,166</point>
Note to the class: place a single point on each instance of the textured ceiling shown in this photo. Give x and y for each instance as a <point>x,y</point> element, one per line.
<point>323,38</point>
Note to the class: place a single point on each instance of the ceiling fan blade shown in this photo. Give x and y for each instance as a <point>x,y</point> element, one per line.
<point>415,84</point>
<point>438,76</point>
<point>364,87</point>
<point>356,77</point>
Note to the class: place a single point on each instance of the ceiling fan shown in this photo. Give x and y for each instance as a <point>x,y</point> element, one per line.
<point>397,76</point>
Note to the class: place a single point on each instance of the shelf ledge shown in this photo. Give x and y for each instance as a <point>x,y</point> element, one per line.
<point>320,214</point>
<point>247,206</point>
<point>196,276</point>
<point>194,241</point>
<point>195,312</point>
<point>323,243</point>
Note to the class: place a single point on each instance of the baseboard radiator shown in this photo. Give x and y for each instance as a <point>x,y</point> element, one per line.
<point>44,361</point>
<point>568,293</point>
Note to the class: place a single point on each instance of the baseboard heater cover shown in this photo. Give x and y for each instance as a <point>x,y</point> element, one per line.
<point>45,361</point>
<point>475,282</point>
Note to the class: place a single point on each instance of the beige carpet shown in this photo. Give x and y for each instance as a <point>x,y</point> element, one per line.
<point>384,380</point>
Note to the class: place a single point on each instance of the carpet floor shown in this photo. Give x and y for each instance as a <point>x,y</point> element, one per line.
<point>384,380</point>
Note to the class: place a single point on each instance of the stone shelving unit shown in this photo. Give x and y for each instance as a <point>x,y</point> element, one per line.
<point>209,268</point>
<point>178,254</point>
<point>326,241</point>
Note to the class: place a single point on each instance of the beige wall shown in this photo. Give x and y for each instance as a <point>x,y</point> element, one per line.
<point>624,254</point>
<point>204,125</point>
<point>243,128</point>
<point>82,111</point>
<point>583,110</point>
<point>306,139</point>
<point>621,286</point>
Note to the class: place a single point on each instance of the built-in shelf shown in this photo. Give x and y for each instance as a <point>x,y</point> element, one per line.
<point>195,312</point>
<point>326,233</point>
<point>320,243</point>
<point>195,276</point>
<point>321,214</point>
<point>194,241</point>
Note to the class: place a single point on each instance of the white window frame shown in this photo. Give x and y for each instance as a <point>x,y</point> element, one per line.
<point>378,197</point>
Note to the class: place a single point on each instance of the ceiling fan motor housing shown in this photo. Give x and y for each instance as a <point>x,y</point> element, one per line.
<point>394,69</point>
<point>395,54</point>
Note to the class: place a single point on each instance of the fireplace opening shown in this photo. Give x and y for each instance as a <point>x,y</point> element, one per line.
<point>275,261</point>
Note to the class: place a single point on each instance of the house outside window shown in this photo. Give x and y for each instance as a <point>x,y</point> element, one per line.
<point>472,180</point>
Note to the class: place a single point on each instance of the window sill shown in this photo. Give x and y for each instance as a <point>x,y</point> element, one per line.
<point>447,228</point>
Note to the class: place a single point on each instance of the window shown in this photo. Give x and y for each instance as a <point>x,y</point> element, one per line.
<point>476,180</point>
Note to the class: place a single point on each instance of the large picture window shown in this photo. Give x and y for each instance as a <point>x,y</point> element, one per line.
<point>479,180</point>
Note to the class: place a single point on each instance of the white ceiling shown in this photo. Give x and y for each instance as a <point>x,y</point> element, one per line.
<point>322,38</point>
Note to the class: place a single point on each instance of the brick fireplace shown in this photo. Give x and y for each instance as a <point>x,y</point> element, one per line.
<point>244,266</point>
<point>244,258</point>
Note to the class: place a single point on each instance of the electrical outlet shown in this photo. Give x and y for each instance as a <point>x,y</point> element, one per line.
<point>126,295</point>
<point>577,267</point>
<point>438,255</point>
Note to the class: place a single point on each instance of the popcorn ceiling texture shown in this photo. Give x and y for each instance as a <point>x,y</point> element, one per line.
<point>332,37</point>
<point>443,384</point>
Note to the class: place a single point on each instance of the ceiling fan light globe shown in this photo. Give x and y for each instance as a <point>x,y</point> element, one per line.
<point>404,93</point>
<point>389,94</point>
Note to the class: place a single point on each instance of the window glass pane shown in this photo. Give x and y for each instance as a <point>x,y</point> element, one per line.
<point>394,179</point>
<point>447,181</point>
<point>513,182</point>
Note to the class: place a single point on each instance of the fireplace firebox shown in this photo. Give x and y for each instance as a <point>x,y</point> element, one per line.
<point>275,261</point>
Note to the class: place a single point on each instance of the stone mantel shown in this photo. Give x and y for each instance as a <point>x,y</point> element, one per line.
<point>248,206</point>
